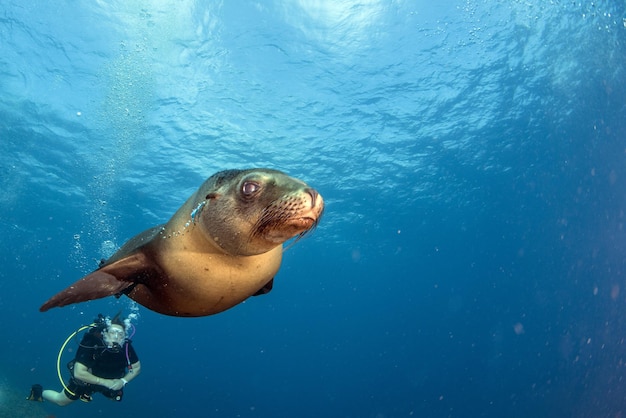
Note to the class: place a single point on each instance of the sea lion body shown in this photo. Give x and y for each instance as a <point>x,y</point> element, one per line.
<point>223,245</point>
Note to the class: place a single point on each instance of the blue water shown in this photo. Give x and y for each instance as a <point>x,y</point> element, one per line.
<point>472,156</point>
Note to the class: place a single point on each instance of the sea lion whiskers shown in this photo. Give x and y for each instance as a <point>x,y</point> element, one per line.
<point>273,215</point>
<point>280,219</point>
<point>301,235</point>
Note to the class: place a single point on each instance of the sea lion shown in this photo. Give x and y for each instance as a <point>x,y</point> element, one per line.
<point>221,247</point>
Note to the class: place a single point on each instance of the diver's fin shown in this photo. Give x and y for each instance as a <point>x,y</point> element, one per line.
<point>36,392</point>
<point>112,279</point>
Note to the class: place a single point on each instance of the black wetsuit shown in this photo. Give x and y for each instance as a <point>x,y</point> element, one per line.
<point>101,362</point>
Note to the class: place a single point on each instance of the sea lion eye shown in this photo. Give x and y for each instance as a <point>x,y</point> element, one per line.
<point>250,187</point>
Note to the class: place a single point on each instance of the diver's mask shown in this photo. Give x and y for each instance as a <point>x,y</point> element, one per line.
<point>114,337</point>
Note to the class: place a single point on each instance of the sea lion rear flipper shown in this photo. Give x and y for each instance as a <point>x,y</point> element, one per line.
<point>112,279</point>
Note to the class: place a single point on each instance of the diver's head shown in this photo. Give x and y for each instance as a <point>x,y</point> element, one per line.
<point>115,333</point>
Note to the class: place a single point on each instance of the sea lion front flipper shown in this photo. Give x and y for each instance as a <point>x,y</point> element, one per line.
<point>265,289</point>
<point>111,279</point>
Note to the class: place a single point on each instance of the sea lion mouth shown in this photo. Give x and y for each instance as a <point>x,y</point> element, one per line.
<point>291,216</point>
<point>306,222</point>
<point>280,227</point>
<point>284,229</point>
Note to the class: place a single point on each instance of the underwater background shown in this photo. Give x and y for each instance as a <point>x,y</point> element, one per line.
<point>471,153</point>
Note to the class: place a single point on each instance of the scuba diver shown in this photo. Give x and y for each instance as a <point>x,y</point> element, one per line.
<point>105,362</point>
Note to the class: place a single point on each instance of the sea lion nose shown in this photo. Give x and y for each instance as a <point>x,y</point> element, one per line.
<point>314,196</point>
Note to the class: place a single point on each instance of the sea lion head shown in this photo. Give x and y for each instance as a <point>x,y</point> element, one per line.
<point>250,212</point>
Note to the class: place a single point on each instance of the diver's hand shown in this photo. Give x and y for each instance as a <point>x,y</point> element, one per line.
<point>115,384</point>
